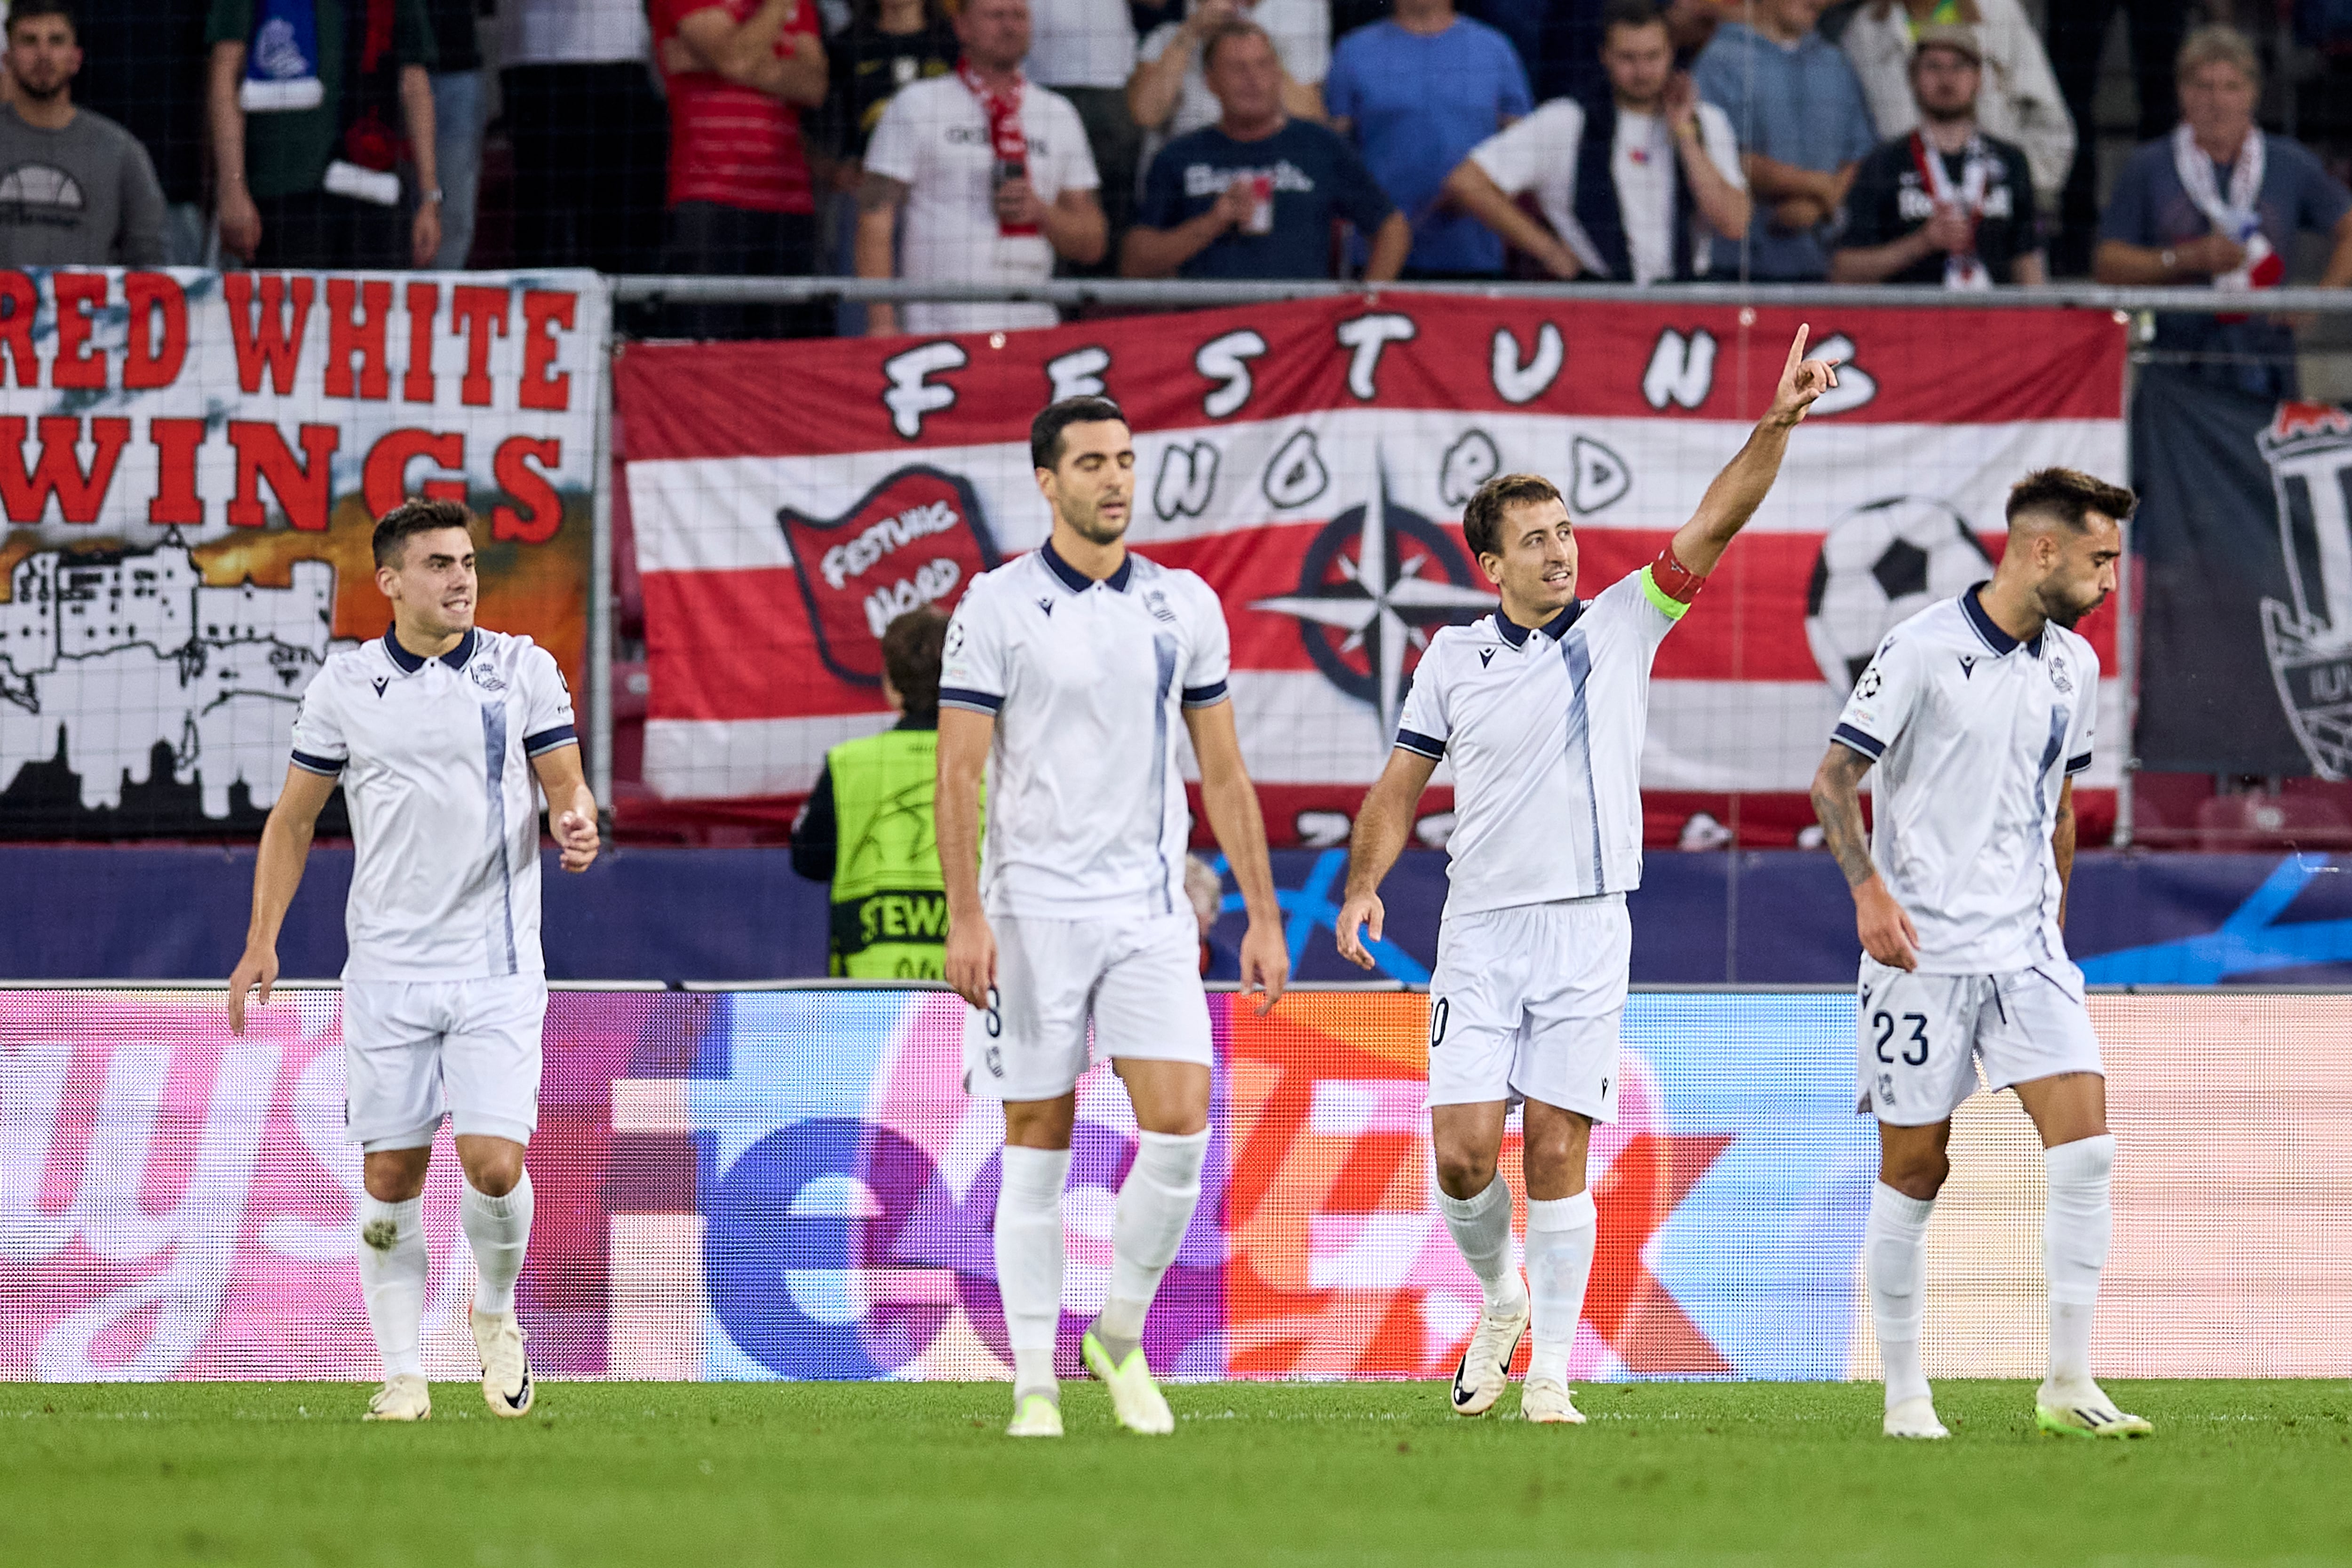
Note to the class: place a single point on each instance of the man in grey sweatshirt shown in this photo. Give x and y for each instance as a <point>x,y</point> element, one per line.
<point>75,189</point>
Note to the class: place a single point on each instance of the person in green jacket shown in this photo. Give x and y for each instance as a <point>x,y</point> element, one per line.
<point>868,825</point>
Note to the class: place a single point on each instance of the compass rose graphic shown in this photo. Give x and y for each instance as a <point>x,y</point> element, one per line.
<point>1376,582</point>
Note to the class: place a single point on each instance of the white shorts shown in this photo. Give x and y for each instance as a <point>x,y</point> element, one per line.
<point>1137,980</point>
<point>416,1048</point>
<point>1526,1002</point>
<point>1918,1037</point>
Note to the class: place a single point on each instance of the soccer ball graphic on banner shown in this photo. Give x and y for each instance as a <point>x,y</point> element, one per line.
<point>1881,563</point>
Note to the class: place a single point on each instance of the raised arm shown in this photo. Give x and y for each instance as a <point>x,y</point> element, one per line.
<point>1745,481</point>
<point>1382,825</point>
<point>1230,802</point>
<point>964,739</point>
<point>276,873</point>
<point>1886,933</point>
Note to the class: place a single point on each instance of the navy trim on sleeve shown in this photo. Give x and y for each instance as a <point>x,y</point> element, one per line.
<point>1847,735</point>
<point>973,701</point>
<point>1207,696</point>
<point>1421,745</point>
<point>327,766</point>
<point>549,740</point>
<point>2077,764</point>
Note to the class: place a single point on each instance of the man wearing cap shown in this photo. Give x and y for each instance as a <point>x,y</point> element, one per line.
<point>1943,204</point>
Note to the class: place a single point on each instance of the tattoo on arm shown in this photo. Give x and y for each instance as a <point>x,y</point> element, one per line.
<point>1837,802</point>
<point>877,191</point>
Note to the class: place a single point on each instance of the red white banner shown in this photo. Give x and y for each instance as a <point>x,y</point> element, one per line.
<point>1310,462</point>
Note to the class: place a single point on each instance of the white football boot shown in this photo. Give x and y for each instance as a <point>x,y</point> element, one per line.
<point>2084,1410</point>
<point>507,1388</point>
<point>1135,1398</point>
<point>1035,1416</point>
<point>1914,1418</point>
<point>402,1398</point>
<point>1485,1370</point>
<point>1543,1400</point>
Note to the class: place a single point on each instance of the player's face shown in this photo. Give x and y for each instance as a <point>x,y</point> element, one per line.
<point>433,582</point>
<point>1638,60</point>
<point>2079,567</point>
<point>1093,487</point>
<point>1536,568</point>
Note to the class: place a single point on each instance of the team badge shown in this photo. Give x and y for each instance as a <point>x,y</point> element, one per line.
<point>2309,641</point>
<point>482,675</point>
<point>915,539</point>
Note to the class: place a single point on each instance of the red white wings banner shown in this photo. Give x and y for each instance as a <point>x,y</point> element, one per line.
<point>1311,461</point>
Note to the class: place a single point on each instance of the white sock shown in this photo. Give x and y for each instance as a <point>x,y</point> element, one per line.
<point>1029,1261</point>
<point>2077,1227</point>
<point>1482,1232</point>
<point>392,1266</point>
<point>1560,1234</point>
<point>1894,1247</point>
<point>1155,1207</point>
<point>499,1229</point>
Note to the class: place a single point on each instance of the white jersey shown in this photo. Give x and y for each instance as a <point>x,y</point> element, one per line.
<point>1545,731</point>
<point>1087,682</point>
<point>435,758</point>
<point>1973,733</point>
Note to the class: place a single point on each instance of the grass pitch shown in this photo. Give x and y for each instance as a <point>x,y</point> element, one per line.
<point>713,1476</point>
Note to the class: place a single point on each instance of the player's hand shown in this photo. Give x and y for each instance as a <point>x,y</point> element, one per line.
<point>1886,931</point>
<point>1360,910</point>
<point>576,837</point>
<point>1266,964</point>
<point>1802,381</point>
<point>970,964</point>
<point>256,968</point>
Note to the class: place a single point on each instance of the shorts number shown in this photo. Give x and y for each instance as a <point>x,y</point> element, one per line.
<point>1884,1024</point>
<point>993,1019</point>
<point>1439,1013</point>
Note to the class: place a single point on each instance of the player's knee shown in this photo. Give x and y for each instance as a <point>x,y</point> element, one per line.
<point>1465,1172</point>
<point>495,1172</point>
<point>1915,1174</point>
<point>394,1176</point>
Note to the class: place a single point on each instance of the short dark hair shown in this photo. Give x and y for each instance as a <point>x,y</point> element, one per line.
<point>911,648</point>
<point>1482,519</point>
<point>33,10</point>
<point>1629,13</point>
<point>2069,495</point>
<point>1045,430</point>
<point>412,517</point>
<point>1226,32</point>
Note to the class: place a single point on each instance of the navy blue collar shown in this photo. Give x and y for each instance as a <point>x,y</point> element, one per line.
<point>1554,628</point>
<point>1077,582</point>
<point>409,664</point>
<point>2000,641</point>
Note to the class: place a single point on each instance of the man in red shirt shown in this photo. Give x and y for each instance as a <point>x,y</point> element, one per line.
<point>740,196</point>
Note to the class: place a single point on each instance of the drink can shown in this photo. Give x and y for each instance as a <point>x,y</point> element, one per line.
<point>1261,213</point>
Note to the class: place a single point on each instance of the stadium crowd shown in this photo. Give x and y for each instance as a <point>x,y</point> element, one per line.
<point>1899,142</point>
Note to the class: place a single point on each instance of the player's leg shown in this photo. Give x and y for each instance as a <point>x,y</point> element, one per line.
<point>2044,1047</point>
<point>394,1102</point>
<point>1027,1049</point>
<point>1562,1227</point>
<point>491,1061</point>
<point>1153,1019</point>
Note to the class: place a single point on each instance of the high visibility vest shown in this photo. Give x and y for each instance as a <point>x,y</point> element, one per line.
<point>889,902</point>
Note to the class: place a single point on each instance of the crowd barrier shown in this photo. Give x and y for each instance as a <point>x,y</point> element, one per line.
<point>750,1183</point>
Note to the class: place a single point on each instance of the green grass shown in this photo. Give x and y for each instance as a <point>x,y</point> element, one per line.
<point>711,1475</point>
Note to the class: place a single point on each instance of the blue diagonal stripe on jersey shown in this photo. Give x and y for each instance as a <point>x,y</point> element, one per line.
<point>1164,654</point>
<point>494,767</point>
<point>1573,649</point>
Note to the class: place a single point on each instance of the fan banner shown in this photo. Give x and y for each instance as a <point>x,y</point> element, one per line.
<point>190,465</point>
<point>1310,462</point>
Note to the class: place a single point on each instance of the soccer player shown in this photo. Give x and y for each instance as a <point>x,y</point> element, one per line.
<point>440,732</point>
<point>1066,674</point>
<point>1978,712</point>
<point>1543,708</point>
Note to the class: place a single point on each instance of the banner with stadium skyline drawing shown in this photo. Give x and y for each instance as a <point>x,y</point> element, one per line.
<point>190,465</point>
<point>764,1183</point>
<point>1310,462</point>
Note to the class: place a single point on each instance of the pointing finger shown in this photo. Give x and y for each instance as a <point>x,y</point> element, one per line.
<point>1797,349</point>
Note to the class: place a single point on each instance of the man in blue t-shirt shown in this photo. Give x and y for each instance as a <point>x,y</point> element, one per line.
<point>1417,93</point>
<point>2220,202</point>
<point>1254,194</point>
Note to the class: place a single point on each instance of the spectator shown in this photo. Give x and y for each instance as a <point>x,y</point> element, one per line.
<point>740,203</point>
<point>1169,93</point>
<point>1083,50</point>
<point>143,79</point>
<point>2019,102</point>
<point>591,138</point>
<point>2220,202</point>
<point>1571,61</point>
<point>887,45</point>
<point>318,187</point>
<point>75,189</point>
<point>1256,194</point>
<point>1633,188</point>
<point>1803,129</point>
<point>1417,93</point>
<point>992,174</point>
<point>867,828</point>
<point>457,108</point>
<point>2077,33</point>
<point>1949,202</point>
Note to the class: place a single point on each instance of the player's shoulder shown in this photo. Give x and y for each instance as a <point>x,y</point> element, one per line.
<point>1179,589</point>
<point>2073,648</point>
<point>355,663</point>
<point>985,592</point>
<point>518,652</point>
<point>1450,645</point>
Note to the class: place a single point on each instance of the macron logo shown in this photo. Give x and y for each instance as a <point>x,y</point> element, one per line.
<point>1485,657</point>
<point>380,682</point>
<point>1967,666</point>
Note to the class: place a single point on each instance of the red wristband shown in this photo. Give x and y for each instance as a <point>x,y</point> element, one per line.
<point>1675,580</point>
